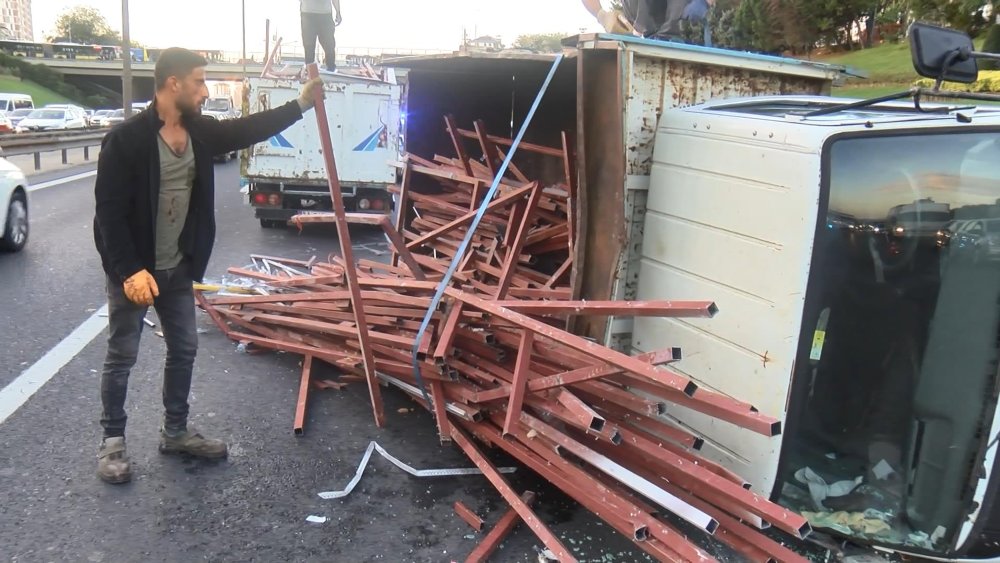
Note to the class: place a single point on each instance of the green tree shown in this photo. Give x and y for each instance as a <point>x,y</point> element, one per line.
<point>991,45</point>
<point>86,25</point>
<point>540,42</point>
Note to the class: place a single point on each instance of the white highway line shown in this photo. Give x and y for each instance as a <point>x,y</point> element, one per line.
<point>61,181</point>
<point>32,379</point>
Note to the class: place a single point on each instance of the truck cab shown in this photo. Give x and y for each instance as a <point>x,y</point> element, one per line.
<point>842,310</point>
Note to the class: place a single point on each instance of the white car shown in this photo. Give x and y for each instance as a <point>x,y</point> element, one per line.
<point>50,119</point>
<point>113,118</point>
<point>13,207</point>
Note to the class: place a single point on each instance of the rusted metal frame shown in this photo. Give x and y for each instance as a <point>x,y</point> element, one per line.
<point>519,385</point>
<point>581,411</point>
<point>325,314</point>
<point>430,202</point>
<point>627,477</point>
<point>470,517</point>
<point>253,274</point>
<point>728,409</point>
<point>513,167</point>
<point>507,492</point>
<point>695,477</point>
<point>655,447</point>
<point>517,280</point>
<point>551,246</point>
<point>413,285</point>
<point>402,369</point>
<point>516,211</point>
<point>490,153</point>
<point>464,412</point>
<point>452,128</point>
<point>402,205</point>
<point>483,372</point>
<point>653,425</point>
<point>598,392</point>
<point>514,248</point>
<point>342,330</point>
<point>436,172</point>
<point>723,533</point>
<point>437,266</point>
<point>272,344</point>
<point>400,250</point>
<point>560,272</point>
<point>540,149</point>
<point>300,405</point>
<point>545,233</point>
<point>212,312</point>
<point>467,217</point>
<point>440,412</point>
<point>503,528</point>
<point>608,503</point>
<point>478,190</point>
<point>568,340</point>
<point>393,299</point>
<point>578,419</point>
<point>485,351</point>
<point>568,378</point>
<point>371,266</point>
<point>308,281</point>
<point>568,168</point>
<point>540,293</point>
<point>280,298</point>
<point>240,320</point>
<point>448,330</point>
<point>673,309</point>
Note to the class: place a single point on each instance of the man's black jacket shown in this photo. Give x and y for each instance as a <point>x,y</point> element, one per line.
<point>128,186</point>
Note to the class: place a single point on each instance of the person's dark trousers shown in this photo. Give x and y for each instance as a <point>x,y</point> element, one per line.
<point>176,312</point>
<point>321,27</point>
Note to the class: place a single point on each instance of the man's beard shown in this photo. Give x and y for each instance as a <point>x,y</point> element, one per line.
<point>186,110</point>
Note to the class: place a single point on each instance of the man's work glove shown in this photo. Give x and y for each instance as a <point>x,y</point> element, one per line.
<point>141,288</point>
<point>307,98</point>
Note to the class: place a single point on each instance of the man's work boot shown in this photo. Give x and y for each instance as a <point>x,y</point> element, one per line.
<point>192,443</point>
<point>112,461</point>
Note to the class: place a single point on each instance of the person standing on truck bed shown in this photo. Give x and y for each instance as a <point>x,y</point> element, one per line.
<point>154,229</point>
<point>661,19</point>
<point>318,22</point>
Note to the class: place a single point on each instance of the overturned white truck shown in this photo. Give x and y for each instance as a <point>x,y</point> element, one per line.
<point>711,174</point>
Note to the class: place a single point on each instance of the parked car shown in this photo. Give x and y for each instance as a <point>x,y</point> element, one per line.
<point>18,115</point>
<point>49,119</point>
<point>11,102</point>
<point>220,109</point>
<point>5,124</point>
<point>13,207</point>
<point>99,115</point>
<point>113,118</point>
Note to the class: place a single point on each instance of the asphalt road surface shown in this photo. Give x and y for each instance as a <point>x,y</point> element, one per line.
<point>253,506</point>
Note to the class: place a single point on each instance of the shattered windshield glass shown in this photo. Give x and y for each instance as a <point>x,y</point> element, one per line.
<point>897,367</point>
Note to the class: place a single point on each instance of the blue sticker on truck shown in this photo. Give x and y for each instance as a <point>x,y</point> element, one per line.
<point>375,140</point>
<point>280,141</point>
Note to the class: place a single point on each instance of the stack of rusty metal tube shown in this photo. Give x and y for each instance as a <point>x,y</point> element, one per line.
<point>498,365</point>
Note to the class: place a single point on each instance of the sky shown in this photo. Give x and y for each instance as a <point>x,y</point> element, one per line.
<point>387,24</point>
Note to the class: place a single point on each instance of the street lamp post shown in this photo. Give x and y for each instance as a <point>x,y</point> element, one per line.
<point>126,63</point>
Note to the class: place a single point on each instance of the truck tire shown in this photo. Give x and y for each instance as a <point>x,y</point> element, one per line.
<point>272,224</point>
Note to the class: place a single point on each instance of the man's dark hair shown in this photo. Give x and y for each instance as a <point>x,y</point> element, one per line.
<point>178,62</point>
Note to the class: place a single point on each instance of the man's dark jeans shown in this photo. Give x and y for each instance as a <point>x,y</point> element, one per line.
<point>175,309</point>
<point>319,26</point>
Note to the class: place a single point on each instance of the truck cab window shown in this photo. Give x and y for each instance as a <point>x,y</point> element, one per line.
<point>895,385</point>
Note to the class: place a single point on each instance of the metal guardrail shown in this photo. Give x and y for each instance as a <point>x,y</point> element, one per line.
<point>38,143</point>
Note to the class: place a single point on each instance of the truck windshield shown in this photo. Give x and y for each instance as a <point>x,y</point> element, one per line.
<point>896,375</point>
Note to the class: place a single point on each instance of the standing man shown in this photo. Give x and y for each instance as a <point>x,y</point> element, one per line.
<point>154,229</point>
<point>318,22</point>
<point>661,19</point>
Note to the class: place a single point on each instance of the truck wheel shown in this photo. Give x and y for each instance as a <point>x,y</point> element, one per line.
<point>272,224</point>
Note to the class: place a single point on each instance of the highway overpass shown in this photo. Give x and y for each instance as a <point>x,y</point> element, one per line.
<point>88,68</point>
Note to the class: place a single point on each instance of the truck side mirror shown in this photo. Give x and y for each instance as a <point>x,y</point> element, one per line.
<point>942,54</point>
